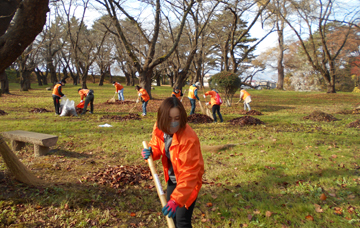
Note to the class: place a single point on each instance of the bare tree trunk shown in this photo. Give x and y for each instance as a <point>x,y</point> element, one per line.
<point>280,66</point>
<point>145,80</point>
<point>39,78</point>
<point>25,80</point>
<point>127,78</point>
<point>4,83</point>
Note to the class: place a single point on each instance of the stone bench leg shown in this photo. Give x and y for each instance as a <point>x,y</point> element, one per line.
<point>17,145</point>
<point>40,150</point>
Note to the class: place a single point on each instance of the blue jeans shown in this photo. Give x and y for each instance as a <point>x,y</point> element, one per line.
<point>121,95</point>
<point>192,102</point>
<point>144,104</point>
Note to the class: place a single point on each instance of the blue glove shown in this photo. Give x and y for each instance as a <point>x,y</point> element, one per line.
<point>145,153</point>
<point>170,208</point>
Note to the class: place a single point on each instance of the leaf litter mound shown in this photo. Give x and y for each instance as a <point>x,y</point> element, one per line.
<point>251,113</point>
<point>131,116</point>
<point>355,124</point>
<point>2,113</point>
<point>39,110</point>
<point>199,118</point>
<point>120,176</point>
<point>117,102</point>
<point>245,120</point>
<point>320,116</point>
<point>355,111</point>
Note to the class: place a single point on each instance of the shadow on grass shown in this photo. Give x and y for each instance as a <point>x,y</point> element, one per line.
<point>271,108</point>
<point>68,154</point>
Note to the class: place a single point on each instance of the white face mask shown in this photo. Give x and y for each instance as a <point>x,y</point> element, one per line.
<point>174,127</point>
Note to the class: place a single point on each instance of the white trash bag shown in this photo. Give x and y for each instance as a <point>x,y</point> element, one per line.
<point>67,107</point>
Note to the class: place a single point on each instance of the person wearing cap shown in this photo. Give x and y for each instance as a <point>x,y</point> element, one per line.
<point>215,103</point>
<point>193,96</point>
<point>177,93</point>
<point>88,94</point>
<point>245,96</point>
<point>57,95</point>
<point>119,90</point>
<point>143,94</point>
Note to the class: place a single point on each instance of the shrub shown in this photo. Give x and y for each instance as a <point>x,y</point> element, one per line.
<point>227,83</point>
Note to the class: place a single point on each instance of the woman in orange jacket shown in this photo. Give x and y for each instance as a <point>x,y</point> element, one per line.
<point>143,94</point>
<point>178,146</point>
<point>215,102</point>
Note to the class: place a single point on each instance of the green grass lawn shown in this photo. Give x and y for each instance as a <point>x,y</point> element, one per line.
<point>275,175</point>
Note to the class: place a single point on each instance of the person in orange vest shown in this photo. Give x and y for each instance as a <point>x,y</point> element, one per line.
<point>88,94</point>
<point>193,96</point>
<point>119,90</point>
<point>177,93</point>
<point>57,95</point>
<point>177,145</point>
<point>215,102</point>
<point>143,94</point>
<point>245,96</point>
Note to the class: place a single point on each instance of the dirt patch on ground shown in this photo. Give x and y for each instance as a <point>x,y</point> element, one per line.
<point>199,118</point>
<point>246,120</point>
<point>320,116</point>
<point>251,113</point>
<point>39,110</point>
<point>355,124</point>
<point>79,110</point>
<point>131,116</point>
<point>2,113</point>
<point>117,102</point>
<point>355,111</point>
<point>119,176</point>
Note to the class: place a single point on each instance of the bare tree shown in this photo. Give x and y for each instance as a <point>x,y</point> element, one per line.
<point>313,23</point>
<point>150,59</point>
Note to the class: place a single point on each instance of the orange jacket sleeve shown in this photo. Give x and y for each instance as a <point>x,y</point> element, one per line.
<point>190,169</point>
<point>155,145</point>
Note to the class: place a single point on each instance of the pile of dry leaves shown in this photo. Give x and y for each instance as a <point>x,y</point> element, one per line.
<point>131,116</point>
<point>245,120</point>
<point>320,116</point>
<point>119,176</point>
<point>250,113</point>
<point>199,118</point>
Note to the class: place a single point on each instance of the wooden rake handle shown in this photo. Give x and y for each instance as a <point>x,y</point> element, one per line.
<point>160,192</point>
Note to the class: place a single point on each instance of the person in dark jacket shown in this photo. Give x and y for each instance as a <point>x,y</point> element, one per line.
<point>57,95</point>
<point>88,94</point>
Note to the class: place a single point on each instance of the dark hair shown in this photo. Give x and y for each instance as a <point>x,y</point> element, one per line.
<point>113,82</point>
<point>63,81</point>
<point>163,121</point>
<point>79,89</point>
<point>177,87</point>
<point>137,87</point>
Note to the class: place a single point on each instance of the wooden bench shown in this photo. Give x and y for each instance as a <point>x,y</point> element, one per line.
<point>42,142</point>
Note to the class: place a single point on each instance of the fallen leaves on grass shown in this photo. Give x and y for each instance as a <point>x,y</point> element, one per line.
<point>338,210</point>
<point>250,113</point>
<point>39,110</point>
<point>318,208</point>
<point>2,113</point>
<point>323,197</point>
<point>209,204</point>
<point>355,124</point>
<point>117,102</point>
<point>119,176</point>
<point>268,213</point>
<point>309,217</point>
<point>131,116</point>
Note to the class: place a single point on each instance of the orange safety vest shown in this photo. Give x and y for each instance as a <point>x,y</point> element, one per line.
<point>83,93</point>
<point>55,90</point>
<point>213,97</point>
<point>186,159</point>
<point>144,95</point>
<point>118,86</point>
<point>246,94</point>
<point>192,92</point>
<point>176,94</point>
